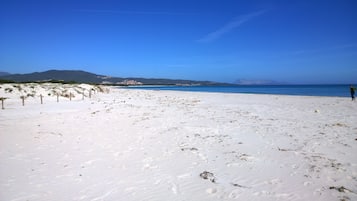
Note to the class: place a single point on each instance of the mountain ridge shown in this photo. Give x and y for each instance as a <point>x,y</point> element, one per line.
<point>81,76</point>
<point>4,73</point>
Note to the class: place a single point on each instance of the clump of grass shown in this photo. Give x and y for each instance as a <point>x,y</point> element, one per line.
<point>18,87</point>
<point>30,95</point>
<point>54,92</point>
<point>341,189</point>
<point>100,89</point>
<point>8,90</point>
<point>77,90</point>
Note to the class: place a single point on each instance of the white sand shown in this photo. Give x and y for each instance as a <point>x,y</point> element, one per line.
<point>153,145</point>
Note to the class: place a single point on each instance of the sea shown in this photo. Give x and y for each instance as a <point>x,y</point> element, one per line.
<point>340,90</point>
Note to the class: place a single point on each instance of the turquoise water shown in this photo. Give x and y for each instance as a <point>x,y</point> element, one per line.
<point>305,90</point>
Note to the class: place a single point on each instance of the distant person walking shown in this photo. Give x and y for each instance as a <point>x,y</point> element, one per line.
<point>352,90</point>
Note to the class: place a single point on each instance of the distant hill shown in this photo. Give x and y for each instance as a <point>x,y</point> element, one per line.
<point>4,73</point>
<point>86,77</point>
<point>60,75</point>
<point>257,82</point>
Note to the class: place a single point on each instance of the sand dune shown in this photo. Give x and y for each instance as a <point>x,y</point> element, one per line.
<point>125,144</point>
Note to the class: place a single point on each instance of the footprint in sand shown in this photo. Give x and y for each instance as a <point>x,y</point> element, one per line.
<point>184,176</point>
<point>261,193</point>
<point>211,190</point>
<point>233,164</point>
<point>174,188</point>
<point>148,164</point>
<point>234,194</point>
<point>307,183</point>
<point>157,182</point>
<point>273,181</point>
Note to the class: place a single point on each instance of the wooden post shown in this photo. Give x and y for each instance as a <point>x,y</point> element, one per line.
<point>41,99</point>
<point>57,97</point>
<point>23,100</point>
<point>2,102</point>
<point>90,93</point>
<point>70,96</point>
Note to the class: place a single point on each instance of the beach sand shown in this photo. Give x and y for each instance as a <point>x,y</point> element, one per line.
<point>124,144</point>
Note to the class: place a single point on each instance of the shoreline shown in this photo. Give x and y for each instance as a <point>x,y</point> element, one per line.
<point>293,90</point>
<point>158,145</point>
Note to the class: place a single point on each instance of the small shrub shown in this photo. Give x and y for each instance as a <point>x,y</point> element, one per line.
<point>6,81</point>
<point>100,89</point>
<point>8,90</point>
<point>18,87</point>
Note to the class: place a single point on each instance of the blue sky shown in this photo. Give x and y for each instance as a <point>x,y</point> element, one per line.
<point>291,41</point>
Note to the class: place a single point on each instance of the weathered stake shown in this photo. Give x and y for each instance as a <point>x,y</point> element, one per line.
<point>41,99</point>
<point>70,96</point>
<point>57,98</point>
<point>23,100</point>
<point>2,103</point>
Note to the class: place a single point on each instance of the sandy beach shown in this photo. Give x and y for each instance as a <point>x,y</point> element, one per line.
<point>121,144</point>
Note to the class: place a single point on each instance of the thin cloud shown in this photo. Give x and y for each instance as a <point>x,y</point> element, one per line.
<point>230,26</point>
<point>132,12</point>
<point>326,49</point>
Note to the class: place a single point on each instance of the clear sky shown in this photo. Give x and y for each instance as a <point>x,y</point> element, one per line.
<point>302,41</point>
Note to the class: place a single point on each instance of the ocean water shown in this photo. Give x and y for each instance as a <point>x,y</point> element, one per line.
<point>304,90</point>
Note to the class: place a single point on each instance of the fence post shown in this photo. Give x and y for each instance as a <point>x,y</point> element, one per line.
<point>57,97</point>
<point>23,100</point>
<point>2,102</point>
<point>41,99</point>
